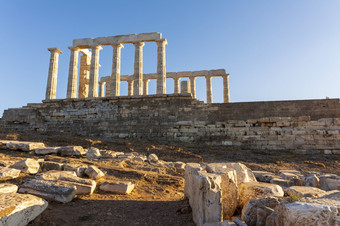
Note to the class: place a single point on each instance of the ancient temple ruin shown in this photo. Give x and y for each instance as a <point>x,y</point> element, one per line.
<point>90,86</point>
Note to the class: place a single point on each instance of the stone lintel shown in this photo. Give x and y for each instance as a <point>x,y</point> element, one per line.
<point>54,49</point>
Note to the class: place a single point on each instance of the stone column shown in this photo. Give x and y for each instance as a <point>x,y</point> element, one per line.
<point>193,86</point>
<point>146,86</point>
<point>73,73</point>
<point>138,69</point>
<point>51,88</point>
<point>94,72</point>
<point>185,87</point>
<point>84,71</point>
<point>226,94</point>
<point>176,85</point>
<point>130,88</point>
<point>115,86</point>
<point>101,89</point>
<point>209,90</point>
<point>161,70</point>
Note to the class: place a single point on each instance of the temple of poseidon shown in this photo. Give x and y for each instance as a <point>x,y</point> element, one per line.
<point>91,87</point>
<point>94,108</point>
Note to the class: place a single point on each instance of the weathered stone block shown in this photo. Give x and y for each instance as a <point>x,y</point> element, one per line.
<point>117,187</point>
<point>8,188</point>
<point>30,166</point>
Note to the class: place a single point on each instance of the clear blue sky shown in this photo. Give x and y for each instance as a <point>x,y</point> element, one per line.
<point>273,50</point>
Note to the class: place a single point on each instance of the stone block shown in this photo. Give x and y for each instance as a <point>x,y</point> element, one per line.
<point>122,188</point>
<point>30,166</point>
<point>72,151</point>
<point>8,188</point>
<point>94,172</point>
<point>312,180</point>
<point>263,176</point>
<point>49,165</point>
<point>93,153</point>
<point>24,146</point>
<point>47,151</point>
<point>303,191</point>
<point>19,209</point>
<point>77,168</point>
<point>152,158</point>
<point>9,173</point>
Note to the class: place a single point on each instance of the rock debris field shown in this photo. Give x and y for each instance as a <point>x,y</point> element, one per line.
<point>76,181</point>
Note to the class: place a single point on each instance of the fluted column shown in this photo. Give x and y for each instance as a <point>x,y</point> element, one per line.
<point>94,72</point>
<point>138,69</point>
<point>193,86</point>
<point>161,70</point>
<point>209,89</point>
<point>185,87</point>
<point>146,86</point>
<point>73,73</point>
<point>130,88</point>
<point>115,85</point>
<point>101,89</point>
<point>176,85</point>
<point>226,93</point>
<point>51,88</point>
<point>84,72</point>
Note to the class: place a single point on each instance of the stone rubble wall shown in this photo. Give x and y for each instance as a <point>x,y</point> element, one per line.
<point>306,126</point>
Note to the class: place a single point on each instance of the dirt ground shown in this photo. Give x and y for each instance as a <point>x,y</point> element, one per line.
<point>158,197</point>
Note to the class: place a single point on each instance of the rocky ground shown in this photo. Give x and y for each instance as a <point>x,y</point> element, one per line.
<point>158,197</point>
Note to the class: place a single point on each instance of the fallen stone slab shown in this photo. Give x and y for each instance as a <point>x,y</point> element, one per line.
<point>122,188</point>
<point>30,166</point>
<point>54,175</point>
<point>9,173</point>
<point>47,151</point>
<point>49,165</point>
<point>8,188</point>
<point>51,190</point>
<point>93,153</point>
<point>24,146</point>
<point>303,191</point>
<point>94,172</point>
<point>19,209</point>
<point>312,180</point>
<point>244,174</point>
<point>281,182</point>
<point>264,176</point>
<point>72,151</point>
<point>77,168</point>
<point>251,190</point>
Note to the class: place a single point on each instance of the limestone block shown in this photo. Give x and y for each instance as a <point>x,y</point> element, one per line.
<point>9,173</point>
<point>56,191</point>
<point>72,151</point>
<point>19,209</point>
<point>122,188</point>
<point>331,184</point>
<point>251,190</point>
<point>93,153</point>
<point>312,180</point>
<point>327,180</point>
<point>263,176</point>
<point>180,166</point>
<point>94,172</point>
<point>24,146</point>
<point>49,165</point>
<point>8,188</point>
<point>152,158</point>
<point>54,175</point>
<point>77,168</point>
<point>303,191</point>
<point>109,154</point>
<point>280,181</point>
<point>47,151</point>
<point>30,166</point>
<point>256,210</point>
<point>191,170</point>
<point>244,174</point>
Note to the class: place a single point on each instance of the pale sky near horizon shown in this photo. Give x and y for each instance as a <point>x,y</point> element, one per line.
<point>273,50</point>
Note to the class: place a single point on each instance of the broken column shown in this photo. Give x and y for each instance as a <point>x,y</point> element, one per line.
<point>138,69</point>
<point>115,85</point>
<point>161,71</point>
<point>73,73</point>
<point>146,86</point>
<point>52,74</point>
<point>226,94</point>
<point>176,85</point>
<point>209,89</point>
<point>94,72</point>
<point>185,87</point>
<point>193,86</point>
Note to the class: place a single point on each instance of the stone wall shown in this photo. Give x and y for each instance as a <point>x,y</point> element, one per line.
<point>303,126</point>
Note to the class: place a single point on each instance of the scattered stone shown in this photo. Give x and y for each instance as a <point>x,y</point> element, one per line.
<point>303,191</point>
<point>8,188</point>
<point>52,190</point>
<point>54,175</point>
<point>77,168</point>
<point>312,180</point>
<point>140,158</point>
<point>108,154</point>
<point>24,146</point>
<point>264,176</point>
<point>19,209</point>
<point>328,182</point>
<point>180,166</point>
<point>9,173</point>
<point>280,181</point>
<point>152,158</point>
<point>94,172</point>
<point>93,153</point>
<point>244,174</point>
<point>72,151</point>
<point>125,156</point>
<point>48,165</point>
<point>30,166</point>
<point>239,222</point>
<point>251,190</point>
<point>122,188</point>
<point>47,150</point>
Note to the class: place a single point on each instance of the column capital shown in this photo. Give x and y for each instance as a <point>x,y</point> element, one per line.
<point>96,47</point>
<point>139,44</point>
<point>73,48</point>
<point>162,42</point>
<point>56,50</point>
<point>176,78</point>
<point>208,76</point>
<point>146,80</point>
<point>118,45</point>
<point>192,78</point>
<point>226,75</point>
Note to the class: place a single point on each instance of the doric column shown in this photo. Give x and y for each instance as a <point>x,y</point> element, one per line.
<point>176,85</point>
<point>146,86</point>
<point>161,70</point>
<point>130,88</point>
<point>209,89</point>
<point>101,89</point>
<point>193,86</point>
<point>115,85</point>
<point>94,72</point>
<point>226,94</point>
<point>185,87</point>
<point>84,74</point>
<point>73,73</point>
<point>138,69</point>
<point>51,88</point>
